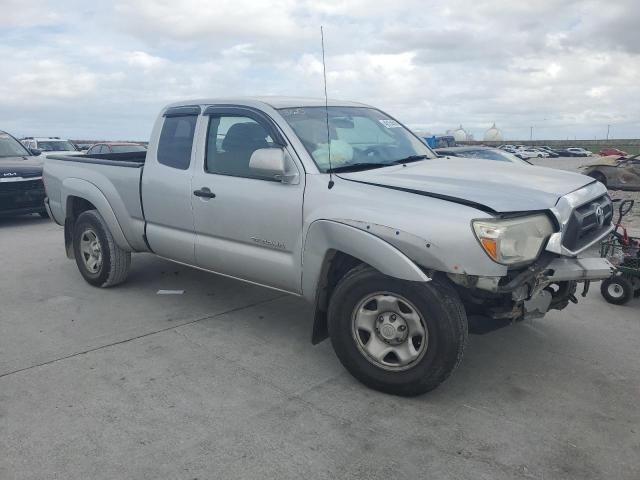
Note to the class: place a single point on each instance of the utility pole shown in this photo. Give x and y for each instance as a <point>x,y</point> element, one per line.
<point>608,127</point>
<point>531,135</point>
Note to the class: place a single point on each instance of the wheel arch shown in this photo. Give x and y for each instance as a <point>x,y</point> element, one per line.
<point>332,249</point>
<point>598,175</point>
<point>81,196</point>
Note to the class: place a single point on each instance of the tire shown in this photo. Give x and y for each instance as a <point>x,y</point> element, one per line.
<point>635,283</point>
<point>101,262</point>
<point>433,308</point>
<point>617,290</point>
<point>560,295</point>
<point>43,214</point>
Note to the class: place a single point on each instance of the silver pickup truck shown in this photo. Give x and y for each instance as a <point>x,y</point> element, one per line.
<point>340,204</point>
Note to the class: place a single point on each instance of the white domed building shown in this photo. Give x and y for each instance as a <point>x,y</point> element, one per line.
<point>460,134</point>
<point>494,134</point>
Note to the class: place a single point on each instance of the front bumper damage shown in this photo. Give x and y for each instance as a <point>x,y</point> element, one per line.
<point>564,272</point>
<point>579,269</point>
<point>549,283</point>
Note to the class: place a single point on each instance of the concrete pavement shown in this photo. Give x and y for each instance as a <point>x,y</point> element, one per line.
<point>222,382</point>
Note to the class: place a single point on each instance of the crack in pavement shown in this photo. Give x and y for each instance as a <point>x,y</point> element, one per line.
<point>148,334</point>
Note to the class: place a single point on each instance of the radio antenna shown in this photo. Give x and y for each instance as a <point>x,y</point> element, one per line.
<point>326,109</point>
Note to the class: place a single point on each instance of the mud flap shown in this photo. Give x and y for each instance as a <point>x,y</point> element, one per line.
<point>68,238</point>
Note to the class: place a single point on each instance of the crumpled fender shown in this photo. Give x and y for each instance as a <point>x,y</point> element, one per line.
<point>324,236</point>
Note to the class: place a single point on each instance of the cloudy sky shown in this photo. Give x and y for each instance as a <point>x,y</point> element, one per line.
<point>102,69</point>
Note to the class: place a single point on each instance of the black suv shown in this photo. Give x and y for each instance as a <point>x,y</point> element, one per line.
<point>21,187</point>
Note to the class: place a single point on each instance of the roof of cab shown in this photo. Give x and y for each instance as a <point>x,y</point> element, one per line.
<point>274,102</point>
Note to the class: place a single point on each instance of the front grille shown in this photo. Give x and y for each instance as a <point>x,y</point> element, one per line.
<point>585,225</point>
<point>21,195</point>
<point>34,186</point>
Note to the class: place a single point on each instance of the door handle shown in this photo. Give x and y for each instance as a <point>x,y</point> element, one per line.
<point>204,192</point>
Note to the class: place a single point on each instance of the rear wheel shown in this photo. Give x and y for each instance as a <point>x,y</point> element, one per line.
<point>617,290</point>
<point>101,262</point>
<point>395,336</point>
<point>43,214</point>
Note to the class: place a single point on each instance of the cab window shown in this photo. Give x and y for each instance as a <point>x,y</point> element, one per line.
<point>176,141</point>
<point>231,140</point>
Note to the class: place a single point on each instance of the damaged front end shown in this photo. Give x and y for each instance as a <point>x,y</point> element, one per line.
<point>583,218</point>
<point>548,284</point>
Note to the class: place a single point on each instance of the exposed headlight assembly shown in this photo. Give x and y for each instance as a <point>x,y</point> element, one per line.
<point>512,241</point>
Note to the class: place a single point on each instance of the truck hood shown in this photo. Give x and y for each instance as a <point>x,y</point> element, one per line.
<point>20,167</point>
<point>487,185</point>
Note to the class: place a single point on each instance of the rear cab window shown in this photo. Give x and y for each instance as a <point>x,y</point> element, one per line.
<point>176,138</point>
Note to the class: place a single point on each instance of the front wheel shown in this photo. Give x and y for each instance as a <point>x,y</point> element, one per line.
<point>399,337</point>
<point>617,290</point>
<point>100,260</point>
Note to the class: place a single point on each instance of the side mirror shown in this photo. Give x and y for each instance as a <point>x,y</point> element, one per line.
<point>272,163</point>
<point>35,152</point>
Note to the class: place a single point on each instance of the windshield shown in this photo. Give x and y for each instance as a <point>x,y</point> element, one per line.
<point>127,148</point>
<point>360,136</point>
<point>55,146</point>
<point>10,147</point>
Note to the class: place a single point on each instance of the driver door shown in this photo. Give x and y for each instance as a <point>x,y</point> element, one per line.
<point>247,226</point>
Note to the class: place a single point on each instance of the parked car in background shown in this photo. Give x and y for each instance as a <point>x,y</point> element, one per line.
<point>508,148</point>
<point>391,246</point>
<point>116,147</point>
<point>83,147</point>
<point>567,152</point>
<point>51,145</point>
<point>580,152</point>
<point>482,153</point>
<point>439,141</point>
<point>21,187</point>
<point>610,151</point>
<point>529,152</point>
<point>548,150</point>
<point>621,173</point>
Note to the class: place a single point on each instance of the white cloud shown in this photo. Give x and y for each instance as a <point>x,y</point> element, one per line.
<point>46,81</point>
<point>26,13</point>
<point>565,67</point>
<point>142,59</point>
<point>199,19</point>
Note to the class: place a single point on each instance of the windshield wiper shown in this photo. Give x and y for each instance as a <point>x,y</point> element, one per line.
<point>411,158</point>
<point>355,167</point>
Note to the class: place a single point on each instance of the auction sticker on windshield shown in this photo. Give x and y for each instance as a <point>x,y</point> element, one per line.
<point>390,123</point>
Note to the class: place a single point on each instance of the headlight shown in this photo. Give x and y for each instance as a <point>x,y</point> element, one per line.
<point>513,240</point>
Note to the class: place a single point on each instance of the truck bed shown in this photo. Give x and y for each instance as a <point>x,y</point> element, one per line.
<point>113,178</point>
